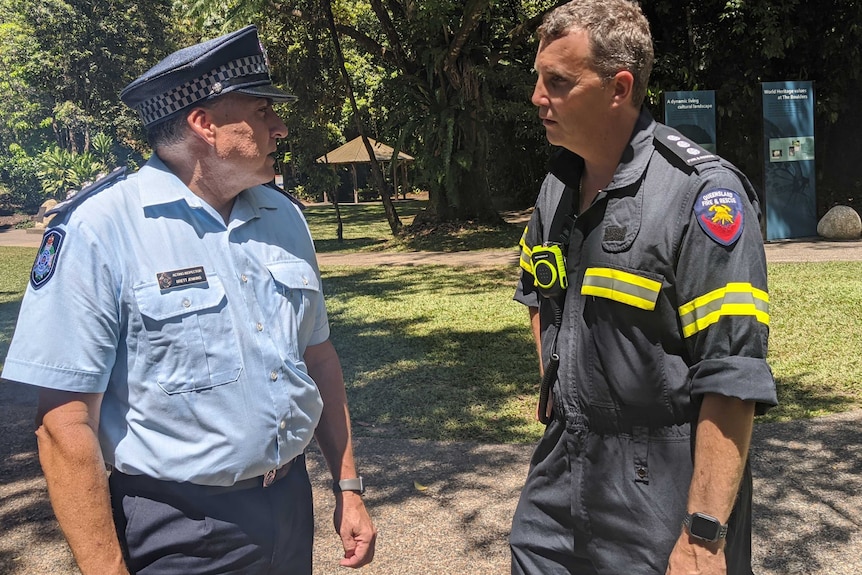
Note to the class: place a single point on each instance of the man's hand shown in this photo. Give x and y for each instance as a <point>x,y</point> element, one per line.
<point>691,557</point>
<point>353,525</point>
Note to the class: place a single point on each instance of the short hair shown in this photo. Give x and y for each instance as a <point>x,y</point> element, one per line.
<point>174,129</point>
<point>171,131</point>
<point>619,37</point>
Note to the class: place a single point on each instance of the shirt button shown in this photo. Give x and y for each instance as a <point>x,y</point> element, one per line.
<point>244,278</point>
<point>187,303</point>
<point>305,281</point>
<point>642,473</point>
<point>283,424</point>
<point>259,326</point>
<point>273,375</point>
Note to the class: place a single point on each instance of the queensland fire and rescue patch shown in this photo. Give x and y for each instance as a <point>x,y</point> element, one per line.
<point>46,258</point>
<point>719,213</point>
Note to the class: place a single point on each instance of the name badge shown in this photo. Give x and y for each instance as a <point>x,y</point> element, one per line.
<point>181,278</point>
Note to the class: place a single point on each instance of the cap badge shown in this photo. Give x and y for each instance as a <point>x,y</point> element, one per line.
<point>265,55</point>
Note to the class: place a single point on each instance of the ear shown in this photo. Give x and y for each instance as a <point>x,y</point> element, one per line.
<point>623,84</point>
<point>200,122</point>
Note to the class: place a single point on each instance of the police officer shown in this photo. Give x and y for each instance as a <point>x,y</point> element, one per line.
<point>176,326</point>
<point>645,277</point>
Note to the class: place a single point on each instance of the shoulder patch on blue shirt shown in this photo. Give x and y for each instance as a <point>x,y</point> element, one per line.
<point>88,190</point>
<point>719,213</point>
<point>46,257</point>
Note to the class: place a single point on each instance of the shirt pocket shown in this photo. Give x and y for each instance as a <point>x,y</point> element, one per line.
<point>189,336</point>
<point>626,337</point>
<point>296,310</point>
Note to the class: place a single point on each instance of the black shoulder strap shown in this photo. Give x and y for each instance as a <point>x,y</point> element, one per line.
<point>566,167</point>
<point>564,217</point>
<point>88,190</point>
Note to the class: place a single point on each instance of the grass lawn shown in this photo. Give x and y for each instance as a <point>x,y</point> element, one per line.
<point>444,353</point>
<point>365,229</point>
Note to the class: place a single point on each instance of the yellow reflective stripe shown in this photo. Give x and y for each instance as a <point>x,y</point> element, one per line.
<point>526,252</point>
<point>616,285</point>
<point>740,299</point>
<point>523,243</point>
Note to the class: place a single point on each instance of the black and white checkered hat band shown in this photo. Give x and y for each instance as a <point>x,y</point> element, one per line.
<point>210,84</point>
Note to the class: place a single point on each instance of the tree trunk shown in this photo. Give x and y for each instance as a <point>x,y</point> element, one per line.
<point>463,193</point>
<point>339,228</point>
<point>388,206</point>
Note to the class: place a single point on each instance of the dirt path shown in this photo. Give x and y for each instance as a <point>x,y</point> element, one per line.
<point>806,250</point>
<point>808,495</point>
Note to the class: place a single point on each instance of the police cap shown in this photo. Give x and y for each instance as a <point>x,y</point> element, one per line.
<point>235,62</point>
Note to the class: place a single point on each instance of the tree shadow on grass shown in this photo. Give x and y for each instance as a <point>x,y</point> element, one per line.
<point>449,382</point>
<point>366,229</point>
<point>798,398</point>
<point>458,381</point>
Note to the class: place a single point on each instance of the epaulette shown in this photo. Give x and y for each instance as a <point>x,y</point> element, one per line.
<point>88,190</point>
<point>667,139</point>
<point>289,196</point>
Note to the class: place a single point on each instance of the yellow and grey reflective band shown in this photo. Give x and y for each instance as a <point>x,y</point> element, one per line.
<point>620,286</point>
<point>526,252</point>
<point>733,299</point>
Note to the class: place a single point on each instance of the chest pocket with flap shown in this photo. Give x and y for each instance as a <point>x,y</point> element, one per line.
<point>190,338</point>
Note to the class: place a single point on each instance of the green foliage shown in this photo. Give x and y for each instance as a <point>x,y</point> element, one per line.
<point>61,171</point>
<point>448,82</point>
<point>64,63</point>
<point>20,186</point>
<point>103,149</point>
<point>424,76</point>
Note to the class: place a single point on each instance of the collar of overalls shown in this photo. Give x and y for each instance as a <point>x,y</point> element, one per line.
<point>567,166</point>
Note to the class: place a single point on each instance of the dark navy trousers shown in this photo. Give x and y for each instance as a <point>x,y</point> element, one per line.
<point>169,528</point>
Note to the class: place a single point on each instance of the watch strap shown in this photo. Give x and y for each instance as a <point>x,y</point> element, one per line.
<point>355,484</point>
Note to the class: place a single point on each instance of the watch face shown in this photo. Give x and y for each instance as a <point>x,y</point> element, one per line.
<point>705,527</point>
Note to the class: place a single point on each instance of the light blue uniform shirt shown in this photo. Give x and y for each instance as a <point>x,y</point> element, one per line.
<point>203,381</point>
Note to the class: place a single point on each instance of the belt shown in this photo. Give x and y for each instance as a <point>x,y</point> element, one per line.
<point>146,484</point>
<point>267,479</point>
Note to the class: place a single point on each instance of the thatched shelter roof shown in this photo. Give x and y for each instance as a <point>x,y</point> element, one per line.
<point>354,152</point>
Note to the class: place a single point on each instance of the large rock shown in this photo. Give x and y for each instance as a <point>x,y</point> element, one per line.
<point>840,223</point>
<point>40,221</point>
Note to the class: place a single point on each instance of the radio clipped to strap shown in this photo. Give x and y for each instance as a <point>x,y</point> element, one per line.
<point>550,277</point>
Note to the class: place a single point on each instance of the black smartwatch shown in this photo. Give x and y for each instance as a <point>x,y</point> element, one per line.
<point>355,484</point>
<point>704,527</point>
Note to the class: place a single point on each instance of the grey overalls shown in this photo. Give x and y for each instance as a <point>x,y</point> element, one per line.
<point>666,302</point>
